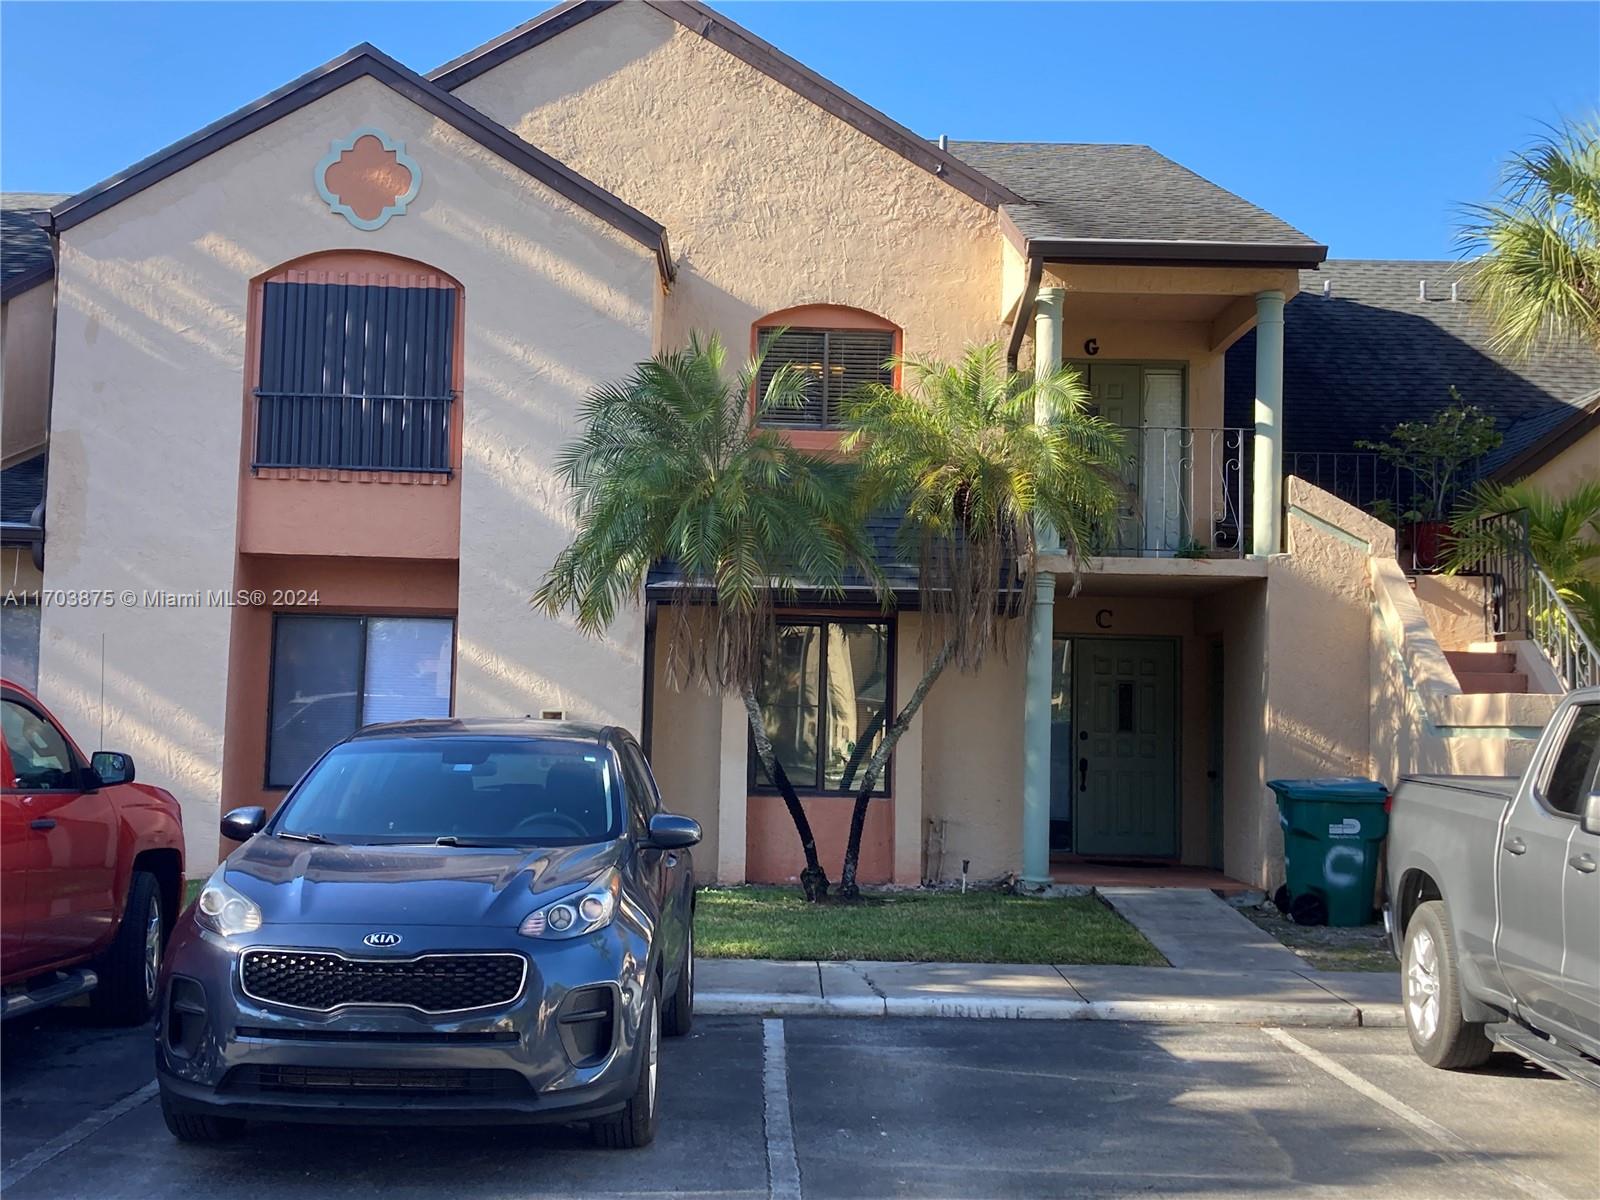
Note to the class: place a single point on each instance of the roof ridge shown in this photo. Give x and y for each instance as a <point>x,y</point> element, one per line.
<point>733,38</point>
<point>366,60</point>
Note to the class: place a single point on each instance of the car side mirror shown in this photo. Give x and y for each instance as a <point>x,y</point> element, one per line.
<point>111,767</point>
<point>1589,818</point>
<point>668,831</point>
<point>242,824</point>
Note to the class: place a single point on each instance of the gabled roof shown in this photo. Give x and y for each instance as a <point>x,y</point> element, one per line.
<point>367,61</point>
<point>25,256</point>
<point>763,56</point>
<point>1375,353</point>
<point>1536,439</point>
<point>1092,202</point>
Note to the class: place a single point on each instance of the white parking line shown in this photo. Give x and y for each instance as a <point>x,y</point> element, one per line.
<point>1451,1145</point>
<point>62,1142</point>
<point>783,1168</point>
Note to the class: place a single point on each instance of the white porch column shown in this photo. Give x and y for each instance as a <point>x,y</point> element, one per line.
<point>1036,699</point>
<point>733,790</point>
<point>1266,507</point>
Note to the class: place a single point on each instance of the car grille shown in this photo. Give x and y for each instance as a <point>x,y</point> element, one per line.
<point>431,983</point>
<point>373,1081</point>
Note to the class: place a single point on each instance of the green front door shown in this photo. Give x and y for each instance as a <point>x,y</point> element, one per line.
<point>1125,709</point>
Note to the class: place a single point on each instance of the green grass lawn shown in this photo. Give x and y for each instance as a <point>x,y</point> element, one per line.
<point>768,922</point>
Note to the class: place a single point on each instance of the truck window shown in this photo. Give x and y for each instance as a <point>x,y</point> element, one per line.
<point>39,753</point>
<point>1572,777</point>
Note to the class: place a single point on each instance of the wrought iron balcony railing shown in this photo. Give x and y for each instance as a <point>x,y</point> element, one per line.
<point>1186,494</point>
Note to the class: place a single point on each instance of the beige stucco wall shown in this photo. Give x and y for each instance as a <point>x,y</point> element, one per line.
<point>1249,826</point>
<point>149,377</point>
<point>770,201</point>
<point>25,328</point>
<point>1579,463</point>
<point>1456,606</point>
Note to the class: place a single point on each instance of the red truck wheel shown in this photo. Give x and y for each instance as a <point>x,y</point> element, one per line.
<point>126,994</point>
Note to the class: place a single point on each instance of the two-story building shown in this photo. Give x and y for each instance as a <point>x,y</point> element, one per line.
<point>313,365</point>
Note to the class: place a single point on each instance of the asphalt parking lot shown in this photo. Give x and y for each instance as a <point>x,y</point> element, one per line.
<point>820,1107</point>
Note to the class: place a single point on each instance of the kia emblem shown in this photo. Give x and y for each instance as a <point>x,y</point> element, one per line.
<point>382,940</point>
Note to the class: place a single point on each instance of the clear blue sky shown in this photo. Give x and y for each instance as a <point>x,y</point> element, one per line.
<point>1365,125</point>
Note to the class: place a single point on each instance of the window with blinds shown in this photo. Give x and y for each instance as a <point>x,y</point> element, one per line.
<point>835,362</point>
<point>355,377</point>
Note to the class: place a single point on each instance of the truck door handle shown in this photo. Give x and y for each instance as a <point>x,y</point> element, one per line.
<point>42,823</point>
<point>1516,845</point>
<point>1083,774</point>
<point>1582,862</point>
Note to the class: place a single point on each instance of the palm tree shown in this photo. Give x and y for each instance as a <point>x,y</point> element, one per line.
<point>672,464</point>
<point>1563,538</point>
<point>960,454</point>
<point>1539,274</point>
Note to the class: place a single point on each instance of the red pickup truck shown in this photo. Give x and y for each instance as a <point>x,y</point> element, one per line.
<point>91,871</point>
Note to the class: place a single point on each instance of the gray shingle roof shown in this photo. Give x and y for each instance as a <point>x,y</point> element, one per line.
<point>1375,353</point>
<point>1089,192</point>
<point>21,490</point>
<point>24,246</point>
<point>883,530</point>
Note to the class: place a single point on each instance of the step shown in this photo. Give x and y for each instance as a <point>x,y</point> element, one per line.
<point>42,993</point>
<point>1492,682</point>
<point>1549,1055</point>
<point>1481,663</point>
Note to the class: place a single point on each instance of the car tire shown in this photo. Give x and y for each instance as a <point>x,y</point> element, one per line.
<point>128,969</point>
<point>635,1125</point>
<point>199,1127</point>
<point>678,1016</point>
<point>1431,994</point>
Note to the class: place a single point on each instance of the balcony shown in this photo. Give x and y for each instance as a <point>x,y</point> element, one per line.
<point>1186,495</point>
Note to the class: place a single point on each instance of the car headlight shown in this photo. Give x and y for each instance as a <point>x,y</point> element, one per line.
<point>224,909</point>
<point>582,912</point>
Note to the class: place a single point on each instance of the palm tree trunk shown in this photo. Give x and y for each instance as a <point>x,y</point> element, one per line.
<point>858,815</point>
<point>813,880</point>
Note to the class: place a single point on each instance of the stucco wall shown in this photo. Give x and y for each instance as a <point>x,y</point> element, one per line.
<point>1456,606</point>
<point>150,376</point>
<point>770,201</point>
<point>1579,463</point>
<point>1249,825</point>
<point>25,326</point>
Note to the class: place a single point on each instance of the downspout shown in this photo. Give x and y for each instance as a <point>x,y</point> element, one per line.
<point>1020,319</point>
<point>648,709</point>
<point>47,221</point>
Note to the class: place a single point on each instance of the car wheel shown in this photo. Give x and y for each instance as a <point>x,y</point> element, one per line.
<point>635,1125</point>
<point>199,1127</point>
<point>131,965</point>
<point>1432,995</point>
<point>678,1016</point>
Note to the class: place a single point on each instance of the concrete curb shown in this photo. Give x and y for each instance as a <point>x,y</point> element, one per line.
<point>1174,1012</point>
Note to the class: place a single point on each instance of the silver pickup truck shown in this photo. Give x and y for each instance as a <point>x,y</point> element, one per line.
<point>1494,904</point>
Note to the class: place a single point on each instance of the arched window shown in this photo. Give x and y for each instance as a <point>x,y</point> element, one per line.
<point>358,366</point>
<point>837,348</point>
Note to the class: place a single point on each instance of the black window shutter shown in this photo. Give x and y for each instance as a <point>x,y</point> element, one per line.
<point>355,377</point>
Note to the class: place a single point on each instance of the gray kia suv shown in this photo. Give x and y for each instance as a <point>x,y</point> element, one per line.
<point>445,921</point>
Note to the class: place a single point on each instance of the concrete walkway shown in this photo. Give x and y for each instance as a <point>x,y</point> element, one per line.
<point>1224,971</point>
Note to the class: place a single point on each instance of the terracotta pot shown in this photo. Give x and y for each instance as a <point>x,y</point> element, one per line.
<point>1430,542</point>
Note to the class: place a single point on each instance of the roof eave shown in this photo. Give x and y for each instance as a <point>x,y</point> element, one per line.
<point>1584,419</point>
<point>26,281</point>
<point>755,52</point>
<point>360,61</point>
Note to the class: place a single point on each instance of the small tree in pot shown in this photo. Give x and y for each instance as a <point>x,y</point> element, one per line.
<point>1431,459</point>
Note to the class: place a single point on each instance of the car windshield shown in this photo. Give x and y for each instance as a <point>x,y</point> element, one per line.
<point>486,790</point>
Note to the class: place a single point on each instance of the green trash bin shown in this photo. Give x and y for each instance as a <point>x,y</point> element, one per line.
<point>1333,831</point>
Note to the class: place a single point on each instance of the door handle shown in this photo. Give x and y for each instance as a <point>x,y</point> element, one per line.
<point>42,823</point>
<point>1516,845</point>
<point>1582,862</point>
<point>1083,774</point>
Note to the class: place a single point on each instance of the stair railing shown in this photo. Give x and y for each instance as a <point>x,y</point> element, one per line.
<point>1555,629</point>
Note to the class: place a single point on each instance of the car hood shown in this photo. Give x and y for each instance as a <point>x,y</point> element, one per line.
<point>304,882</point>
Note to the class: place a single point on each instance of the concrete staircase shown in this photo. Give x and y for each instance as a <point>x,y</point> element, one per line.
<point>1481,672</point>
